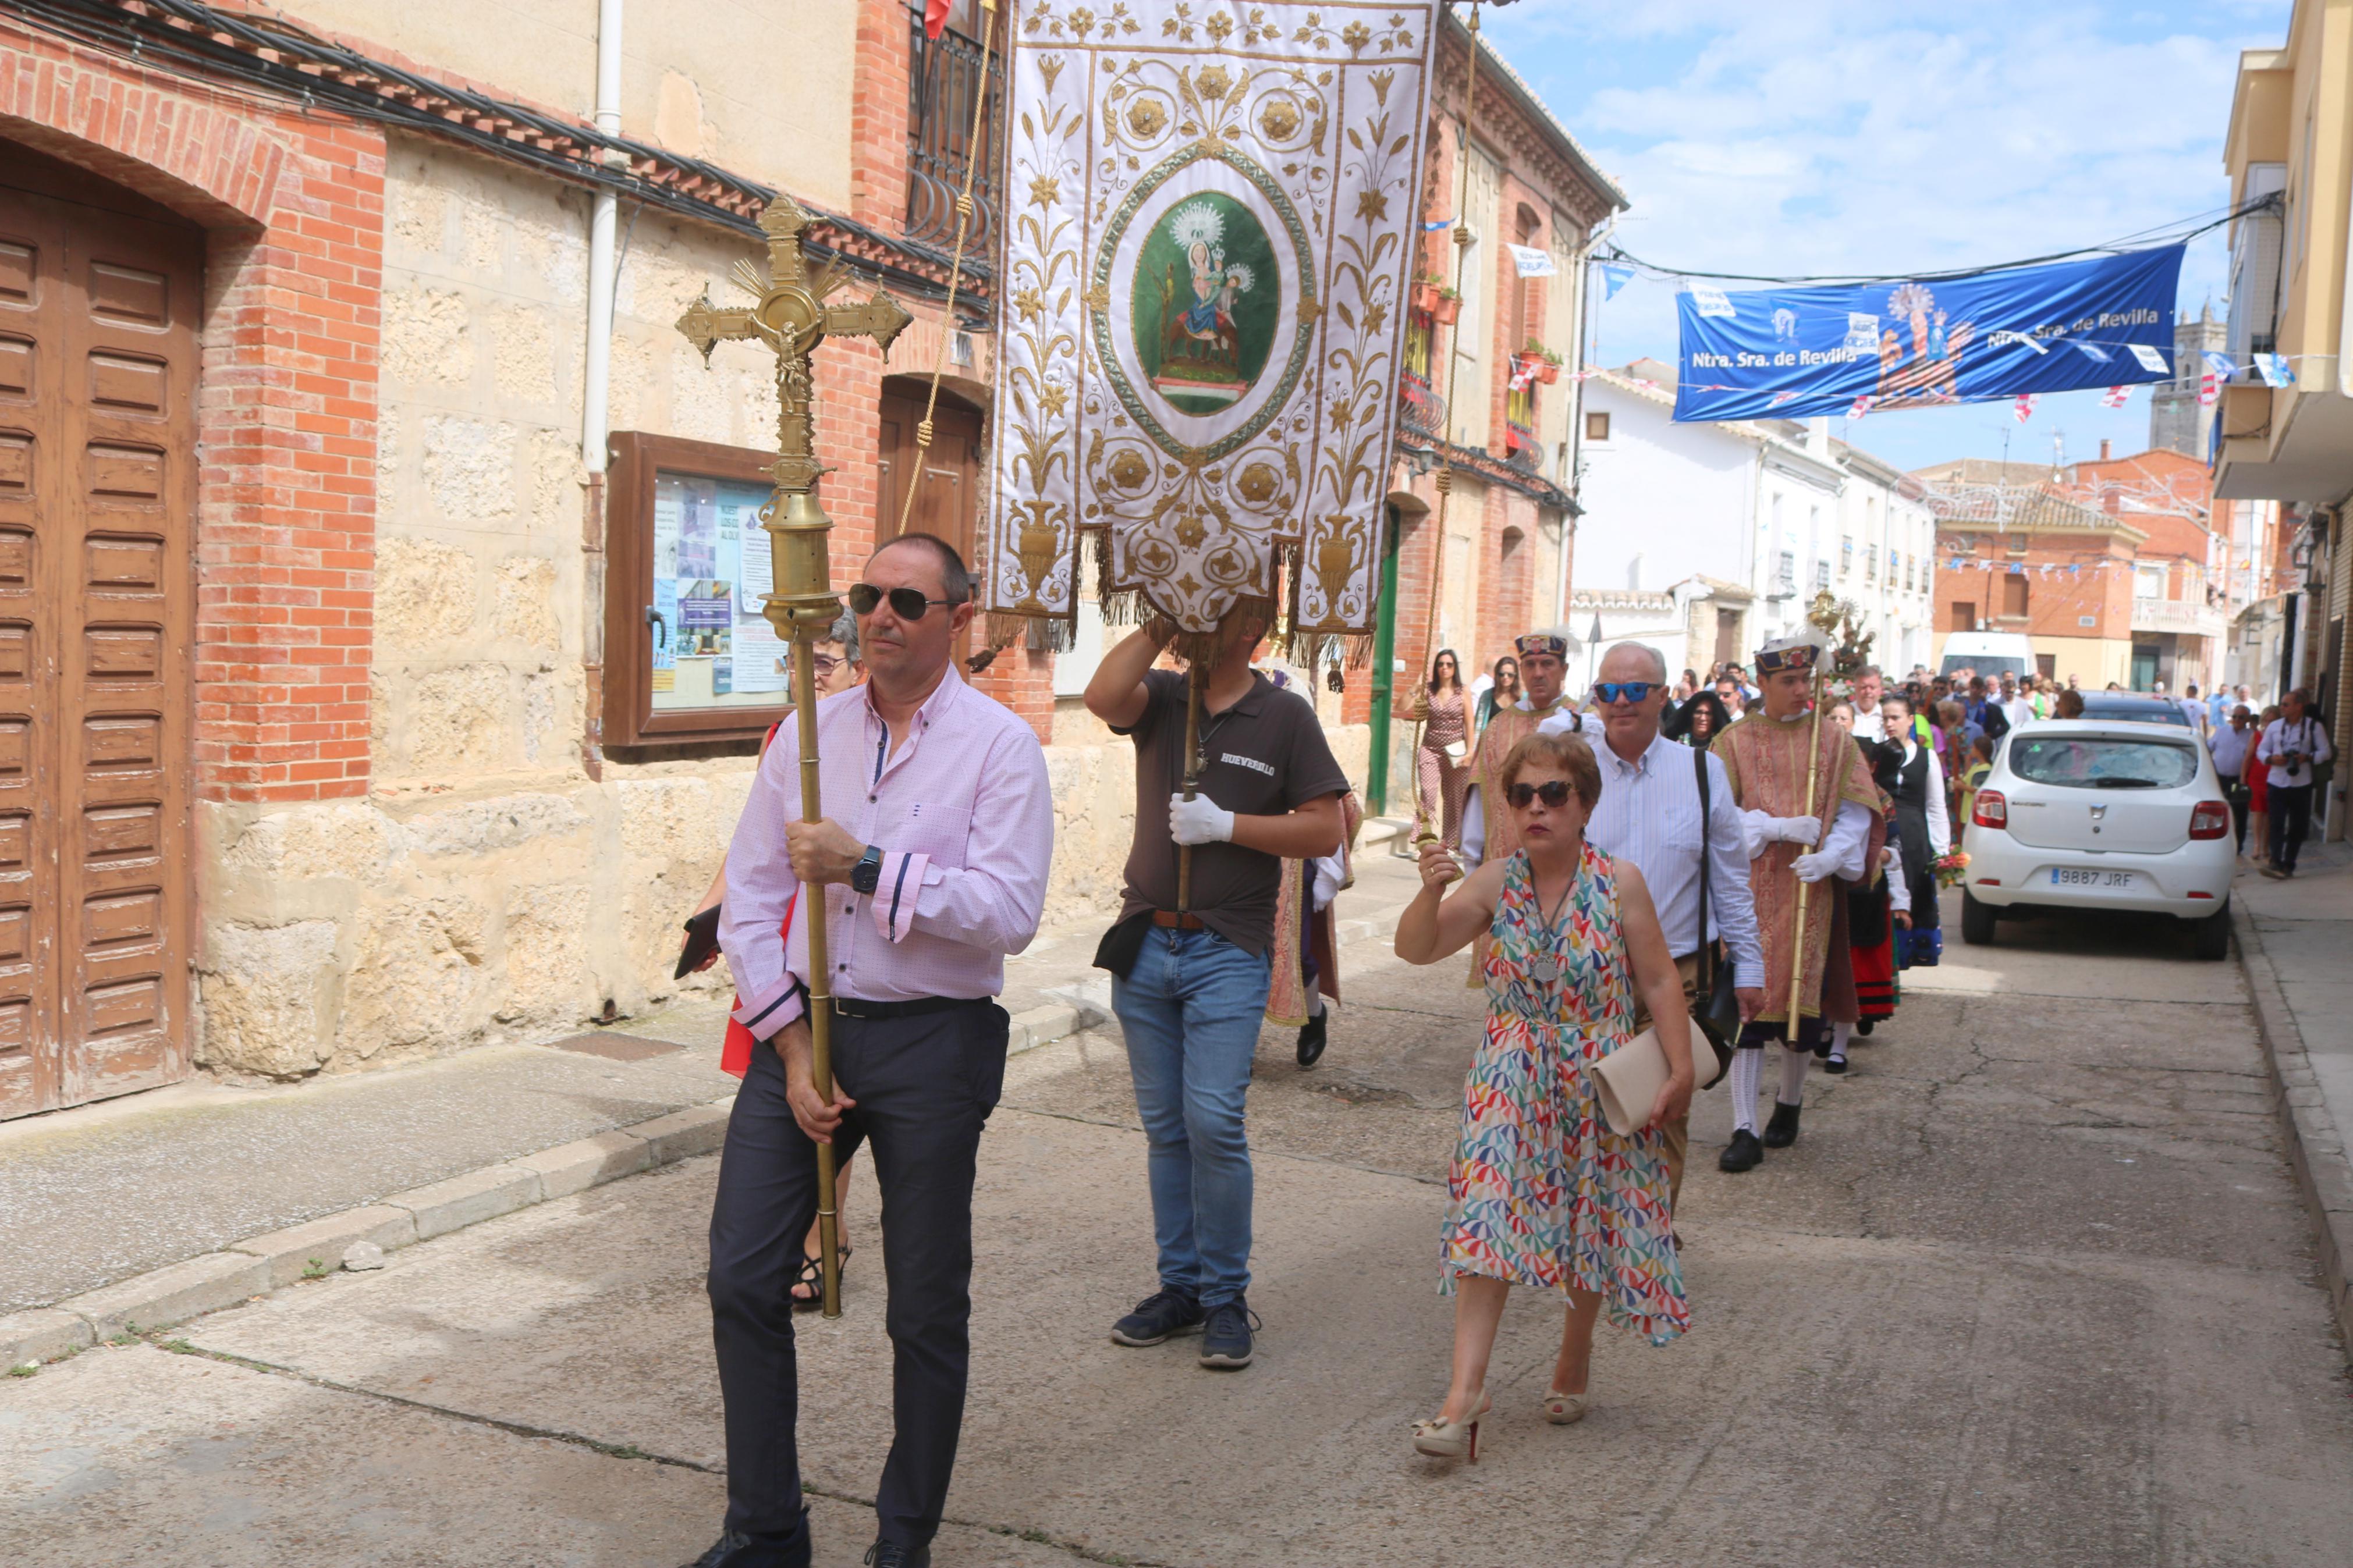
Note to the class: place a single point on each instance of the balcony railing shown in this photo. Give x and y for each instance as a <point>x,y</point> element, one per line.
<point>1420,409</point>
<point>1521,448</point>
<point>943,77</point>
<point>2184,615</point>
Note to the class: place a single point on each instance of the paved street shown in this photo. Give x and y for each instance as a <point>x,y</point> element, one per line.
<point>2034,1287</point>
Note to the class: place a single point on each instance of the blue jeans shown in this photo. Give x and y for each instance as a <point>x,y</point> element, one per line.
<point>1191,1009</point>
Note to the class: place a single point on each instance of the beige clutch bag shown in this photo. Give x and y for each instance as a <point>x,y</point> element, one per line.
<point>1627,1081</point>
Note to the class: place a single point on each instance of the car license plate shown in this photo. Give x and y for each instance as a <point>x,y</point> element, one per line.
<point>2061,877</point>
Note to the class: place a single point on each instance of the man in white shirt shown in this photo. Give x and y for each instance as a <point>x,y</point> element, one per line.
<point>2014,704</point>
<point>1649,815</point>
<point>2291,743</point>
<point>2229,743</point>
<point>2194,708</point>
<point>1869,687</point>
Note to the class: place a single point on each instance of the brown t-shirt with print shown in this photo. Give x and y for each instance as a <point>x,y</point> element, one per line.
<point>1262,757</point>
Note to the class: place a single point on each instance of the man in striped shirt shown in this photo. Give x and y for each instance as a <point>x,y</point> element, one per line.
<point>1650,816</point>
<point>932,867</point>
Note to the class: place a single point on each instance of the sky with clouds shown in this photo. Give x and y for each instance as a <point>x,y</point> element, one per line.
<point>1870,136</point>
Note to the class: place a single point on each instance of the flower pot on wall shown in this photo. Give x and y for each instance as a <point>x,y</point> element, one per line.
<point>1445,310</point>
<point>1547,373</point>
<point>1425,298</point>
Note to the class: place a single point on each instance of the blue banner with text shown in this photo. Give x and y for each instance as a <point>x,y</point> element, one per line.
<point>1853,349</point>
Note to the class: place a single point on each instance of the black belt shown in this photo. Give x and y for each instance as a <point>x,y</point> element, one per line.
<point>855,1007</point>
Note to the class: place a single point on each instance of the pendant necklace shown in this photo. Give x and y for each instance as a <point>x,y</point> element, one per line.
<point>1546,965</point>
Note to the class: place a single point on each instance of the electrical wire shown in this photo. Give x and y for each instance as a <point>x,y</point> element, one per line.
<point>2144,239</point>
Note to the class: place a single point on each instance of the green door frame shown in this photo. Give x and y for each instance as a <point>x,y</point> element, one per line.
<point>1376,774</point>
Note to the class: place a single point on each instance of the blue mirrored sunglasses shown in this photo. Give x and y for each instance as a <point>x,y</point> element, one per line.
<point>1624,691</point>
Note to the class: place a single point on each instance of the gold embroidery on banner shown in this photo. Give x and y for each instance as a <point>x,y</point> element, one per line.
<point>1250,86</point>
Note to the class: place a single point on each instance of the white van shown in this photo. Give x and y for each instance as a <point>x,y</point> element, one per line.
<point>1989,652</point>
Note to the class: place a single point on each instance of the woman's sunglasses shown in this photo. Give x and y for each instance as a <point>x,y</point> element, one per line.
<point>1553,793</point>
<point>907,603</point>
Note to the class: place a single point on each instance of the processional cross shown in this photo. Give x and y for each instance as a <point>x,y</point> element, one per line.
<point>792,317</point>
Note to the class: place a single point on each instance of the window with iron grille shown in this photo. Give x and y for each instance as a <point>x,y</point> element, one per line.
<point>1822,575</point>
<point>1786,573</point>
<point>944,79</point>
<point>1870,564</point>
<point>1846,557</point>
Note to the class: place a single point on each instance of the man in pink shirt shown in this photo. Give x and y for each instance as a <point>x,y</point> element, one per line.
<point>932,864</point>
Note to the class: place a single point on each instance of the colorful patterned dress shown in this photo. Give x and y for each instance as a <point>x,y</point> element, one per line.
<point>1543,1192</point>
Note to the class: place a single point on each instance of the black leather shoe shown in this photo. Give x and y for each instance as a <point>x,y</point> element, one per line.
<point>891,1554</point>
<point>1834,1066</point>
<point>1782,1131</point>
<point>1865,1026</point>
<point>1741,1153</point>
<point>733,1549</point>
<point>1311,1039</point>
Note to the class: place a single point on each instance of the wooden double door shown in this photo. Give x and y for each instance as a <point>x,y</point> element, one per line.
<point>99,296</point>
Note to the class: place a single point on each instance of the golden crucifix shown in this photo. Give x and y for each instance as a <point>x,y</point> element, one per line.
<point>792,317</point>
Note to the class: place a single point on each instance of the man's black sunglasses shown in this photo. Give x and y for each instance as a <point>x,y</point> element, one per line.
<point>1553,792</point>
<point>907,603</point>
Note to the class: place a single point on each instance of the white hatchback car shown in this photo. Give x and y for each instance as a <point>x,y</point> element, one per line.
<point>2087,815</point>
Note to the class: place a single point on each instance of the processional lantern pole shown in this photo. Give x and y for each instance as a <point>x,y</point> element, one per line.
<point>792,317</point>
<point>1424,831</point>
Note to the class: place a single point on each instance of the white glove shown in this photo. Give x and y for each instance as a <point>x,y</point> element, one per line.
<point>1813,867</point>
<point>1805,830</point>
<point>1200,820</point>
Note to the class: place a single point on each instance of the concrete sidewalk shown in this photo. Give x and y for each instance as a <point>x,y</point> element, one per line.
<point>2295,939</point>
<point>123,1198</point>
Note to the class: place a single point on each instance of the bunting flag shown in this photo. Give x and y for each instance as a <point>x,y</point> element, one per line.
<point>2223,363</point>
<point>1861,406</point>
<point>936,17</point>
<point>2274,370</point>
<point>1212,214</point>
<point>2024,408</point>
<point>2210,389</point>
<point>2115,396</point>
<point>1614,277</point>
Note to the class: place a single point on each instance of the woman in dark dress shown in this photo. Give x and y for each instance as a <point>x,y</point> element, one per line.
<point>1923,830</point>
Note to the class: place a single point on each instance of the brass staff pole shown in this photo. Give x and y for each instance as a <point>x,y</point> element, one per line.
<point>1423,831</point>
<point>820,987</point>
<point>1197,682</point>
<point>791,319</point>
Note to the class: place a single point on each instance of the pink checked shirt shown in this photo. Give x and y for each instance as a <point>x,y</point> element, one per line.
<point>965,819</point>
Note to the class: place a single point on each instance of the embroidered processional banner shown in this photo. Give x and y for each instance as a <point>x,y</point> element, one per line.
<point>1210,215</point>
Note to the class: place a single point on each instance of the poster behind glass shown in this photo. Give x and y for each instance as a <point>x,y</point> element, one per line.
<point>712,646</point>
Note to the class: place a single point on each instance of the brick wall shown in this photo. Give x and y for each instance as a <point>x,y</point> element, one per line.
<point>286,409</point>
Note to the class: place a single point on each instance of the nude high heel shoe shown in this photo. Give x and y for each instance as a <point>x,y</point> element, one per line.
<point>1565,1409</point>
<point>1443,1440</point>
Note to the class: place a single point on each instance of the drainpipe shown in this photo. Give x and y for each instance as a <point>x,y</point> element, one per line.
<point>595,389</point>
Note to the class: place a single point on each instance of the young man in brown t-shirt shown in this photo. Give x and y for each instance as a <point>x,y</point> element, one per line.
<point>1191,1001</point>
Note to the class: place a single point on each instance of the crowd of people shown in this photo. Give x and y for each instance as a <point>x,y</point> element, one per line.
<point>1692,857</point>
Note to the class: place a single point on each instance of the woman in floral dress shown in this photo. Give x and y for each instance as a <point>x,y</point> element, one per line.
<point>1543,1194</point>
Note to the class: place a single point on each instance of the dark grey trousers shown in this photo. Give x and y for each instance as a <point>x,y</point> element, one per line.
<point>924,1087</point>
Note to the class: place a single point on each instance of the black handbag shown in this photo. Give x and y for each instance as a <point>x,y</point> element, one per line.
<point>1719,1013</point>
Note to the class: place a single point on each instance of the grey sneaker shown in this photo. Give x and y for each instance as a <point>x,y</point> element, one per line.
<point>1225,1337</point>
<point>1162,1315</point>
